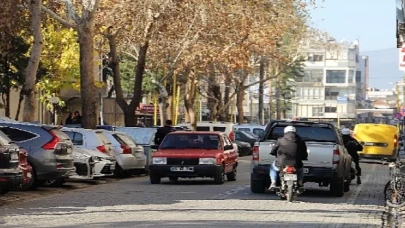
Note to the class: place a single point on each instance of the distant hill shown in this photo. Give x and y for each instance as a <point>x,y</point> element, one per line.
<point>384,68</point>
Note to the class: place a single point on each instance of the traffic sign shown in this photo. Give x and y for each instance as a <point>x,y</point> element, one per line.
<point>403,110</point>
<point>397,116</point>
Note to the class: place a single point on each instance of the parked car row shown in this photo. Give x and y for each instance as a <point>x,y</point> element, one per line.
<point>33,155</point>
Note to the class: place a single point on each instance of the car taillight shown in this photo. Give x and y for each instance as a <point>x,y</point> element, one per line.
<point>51,144</point>
<point>255,153</point>
<point>336,156</point>
<point>22,158</point>
<point>289,169</point>
<point>231,136</point>
<point>126,149</point>
<point>396,141</point>
<point>102,149</point>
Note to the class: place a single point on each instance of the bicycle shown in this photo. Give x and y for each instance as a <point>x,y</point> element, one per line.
<point>394,191</point>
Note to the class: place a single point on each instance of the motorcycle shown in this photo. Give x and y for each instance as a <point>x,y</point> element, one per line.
<point>289,185</point>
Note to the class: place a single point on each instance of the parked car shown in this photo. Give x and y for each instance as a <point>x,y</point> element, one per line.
<point>143,136</point>
<point>185,154</point>
<point>246,137</point>
<point>127,156</point>
<point>49,150</point>
<point>11,176</point>
<point>244,148</point>
<point>253,128</point>
<point>130,156</point>
<point>25,168</point>
<point>92,164</point>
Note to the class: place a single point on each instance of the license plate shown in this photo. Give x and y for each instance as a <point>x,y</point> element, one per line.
<point>306,170</point>
<point>292,177</point>
<point>14,156</point>
<point>182,169</point>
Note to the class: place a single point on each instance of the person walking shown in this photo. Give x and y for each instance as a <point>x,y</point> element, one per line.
<point>162,132</point>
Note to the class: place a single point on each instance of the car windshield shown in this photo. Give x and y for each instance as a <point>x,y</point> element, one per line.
<point>307,133</point>
<point>190,141</point>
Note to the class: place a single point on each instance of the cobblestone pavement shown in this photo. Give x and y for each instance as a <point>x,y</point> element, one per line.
<point>199,203</point>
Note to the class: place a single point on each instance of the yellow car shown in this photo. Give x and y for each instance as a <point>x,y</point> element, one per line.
<point>379,140</point>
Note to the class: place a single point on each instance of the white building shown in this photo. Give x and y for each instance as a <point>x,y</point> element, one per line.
<point>334,84</point>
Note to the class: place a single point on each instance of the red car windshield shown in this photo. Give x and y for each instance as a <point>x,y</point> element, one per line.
<point>190,141</point>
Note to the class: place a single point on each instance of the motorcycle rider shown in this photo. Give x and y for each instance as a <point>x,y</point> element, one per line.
<point>352,146</point>
<point>289,150</point>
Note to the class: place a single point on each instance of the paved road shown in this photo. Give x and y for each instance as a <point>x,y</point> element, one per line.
<point>199,203</point>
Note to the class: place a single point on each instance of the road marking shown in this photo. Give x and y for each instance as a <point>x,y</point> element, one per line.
<point>231,192</point>
<point>360,187</point>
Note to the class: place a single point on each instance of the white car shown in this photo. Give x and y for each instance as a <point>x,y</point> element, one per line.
<point>91,164</point>
<point>130,156</point>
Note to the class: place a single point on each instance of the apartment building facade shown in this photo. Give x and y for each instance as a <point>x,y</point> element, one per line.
<point>334,84</point>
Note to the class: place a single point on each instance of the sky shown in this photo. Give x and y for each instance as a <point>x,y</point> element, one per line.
<point>372,22</point>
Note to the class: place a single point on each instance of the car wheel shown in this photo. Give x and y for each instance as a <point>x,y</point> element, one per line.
<point>154,179</point>
<point>347,186</point>
<point>232,175</point>
<point>257,186</point>
<point>337,187</point>
<point>55,183</point>
<point>219,176</point>
<point>118,171</point>
<point>173,179</point>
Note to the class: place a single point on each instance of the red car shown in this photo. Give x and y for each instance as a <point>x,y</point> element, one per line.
<point>26,169</point>
<point>191,154</point>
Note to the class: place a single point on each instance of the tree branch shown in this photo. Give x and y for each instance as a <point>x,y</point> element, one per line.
<point>56,17</point>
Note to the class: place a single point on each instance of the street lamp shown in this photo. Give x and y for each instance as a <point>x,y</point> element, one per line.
<point>54,101</point>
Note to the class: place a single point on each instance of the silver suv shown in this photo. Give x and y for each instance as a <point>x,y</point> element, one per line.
<point>49,151</point>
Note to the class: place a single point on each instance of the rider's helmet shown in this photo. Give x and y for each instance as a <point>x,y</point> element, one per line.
<point>346,131</point>
<point>289,129</point>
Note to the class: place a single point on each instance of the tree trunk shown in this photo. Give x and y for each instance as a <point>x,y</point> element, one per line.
<point>162,110</point>
<point>278,93</point>
<point>137,97</point>
<point>35,57</point>
<point>7,103</point>
<point>239,103</point>
<point>189,100</point>
<point>20,100</point>
<point>169,107</point>
<point>115,66</point>
<point>261,90</point>
<point>87,76</point>
<point>227,94</point>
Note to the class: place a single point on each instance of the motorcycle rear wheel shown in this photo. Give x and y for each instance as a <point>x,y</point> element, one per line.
<point>290,193</point>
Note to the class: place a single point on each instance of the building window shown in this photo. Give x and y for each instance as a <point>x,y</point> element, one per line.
<point>358,76</point>
<point>335,76</point>
<point>318,58</point>
<point>329,95</point>
<point>310,93</point>
<point>315,57</point>
<point>317,111</point>
<point>313,76</point>
<point>330,109</point>
<point>351,76</point>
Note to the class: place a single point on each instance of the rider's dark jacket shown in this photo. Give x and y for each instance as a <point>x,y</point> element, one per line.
<point>352,146</point>
<point>290,150</point>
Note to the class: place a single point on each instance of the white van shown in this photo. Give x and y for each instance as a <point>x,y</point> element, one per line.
<point>225,127</point>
